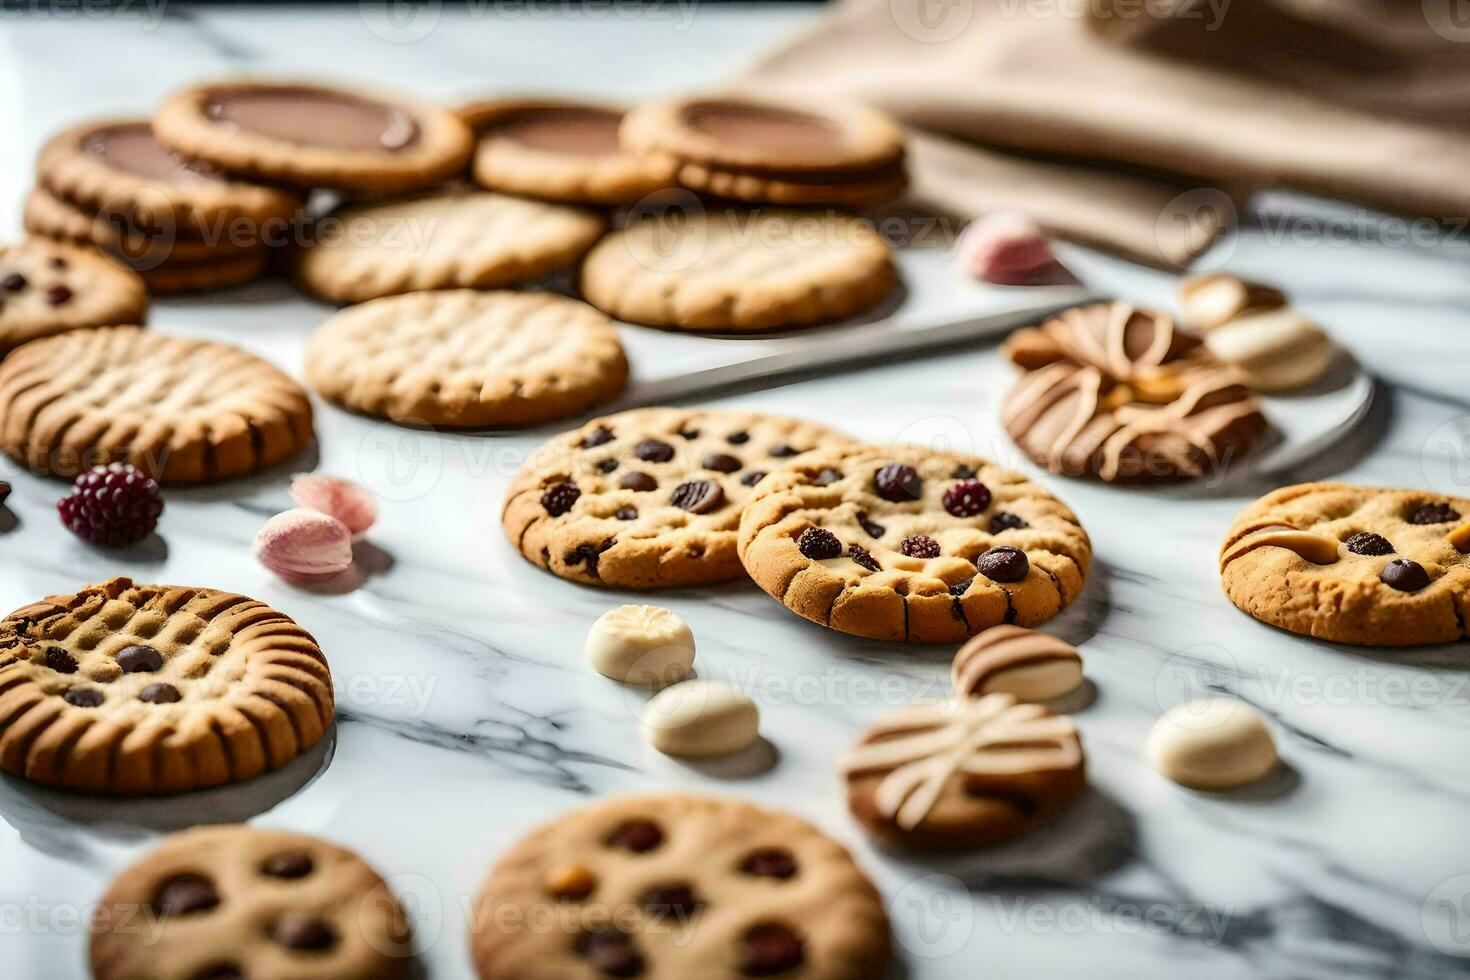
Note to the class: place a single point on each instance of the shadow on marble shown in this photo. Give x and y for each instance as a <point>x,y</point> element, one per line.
<point>33,809</point>
<point>1083,697</point>
<point>152,550</point>
<point>9,521</point>
<point>756,759</point>
<point>1277,784</point>
<point>368,562</point>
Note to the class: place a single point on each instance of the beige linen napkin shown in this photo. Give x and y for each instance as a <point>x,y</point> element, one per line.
<point>1305,94</point>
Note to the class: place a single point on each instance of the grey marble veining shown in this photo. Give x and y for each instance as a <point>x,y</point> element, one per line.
<point>466,714</point>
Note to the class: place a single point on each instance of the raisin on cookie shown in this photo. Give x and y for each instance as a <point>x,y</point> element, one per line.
<point>1365,565</point>
<point>234,901</point>
<point>679,886</point>
<point>649,498</point>
<point>907,544</point>
<point>149,689</point>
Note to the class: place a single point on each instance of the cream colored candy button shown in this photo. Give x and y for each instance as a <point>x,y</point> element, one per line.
<point>700,718</point>
<point>1218,297</point>
<point>1277,351</point>
<point>644,645</point>
<point>1211,743</point>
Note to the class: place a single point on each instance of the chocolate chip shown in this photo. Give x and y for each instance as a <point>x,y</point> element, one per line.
<point>160,694</point>
<point>1404,575</point>
<point>962,472</point>
<point>599,436</point>
<point>672,899</point>
<point>827,477</point>
<point>771,948</point>
<point>220,971</point>
<point>610,952</point>
<point>83,697</point>
<point>558,499</point>
<point>689,433</point>
<point>14,282</point>
<point>58,263</point>
<point>722,463</point>
<point>1006,521</point>
<point>772,862</point>
<point>587,554</point>
<point>753,477</point>
<point>184,895</point>
<point>1004,564</point>
<point>627,514</point>
<point>967,498</point>
<point>1368,543</point>
<point>303,932</point>
<point>873,528</point>
<point>698,496</point>
<point>1434,514</point>
<point>919,546</point>
<point>637,836</point>
<point>288,864</point>
<point>960,588</point>
<point>781,450</point>
<point>738,438</point>
<point>863,557</point>
<point>138,659</point>
<point>607,465</point>
<point>654,451</point>
<point>60,661</point>
<point>818,543</point>
<point>638,482</point>
<point>898,482</point>
<point>58,294</point>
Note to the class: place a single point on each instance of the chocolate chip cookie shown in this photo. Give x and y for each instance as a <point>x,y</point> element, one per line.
<point>1120,394</point>
<point>234,902</point>
<point>181,410</point>
<point>1365,565</point>
<point>459,357</point>
<point>48,287</point>
<point>678,887</point>
<point>149,689</point>
<point>963,772</point>
<point>310,135</point>
<point>649,498</point>
<point>906,544</point>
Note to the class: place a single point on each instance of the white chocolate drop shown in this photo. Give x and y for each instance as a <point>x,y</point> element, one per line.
<point>1278,350</point>
<point>700,718</point>
<point>644,645</point>
<point>1218,297</point>
<point>1211,743</point>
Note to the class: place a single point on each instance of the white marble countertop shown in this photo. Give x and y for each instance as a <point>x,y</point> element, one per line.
<point>466,715</point>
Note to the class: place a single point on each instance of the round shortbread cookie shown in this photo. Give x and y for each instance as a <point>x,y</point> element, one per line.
<point>49,287</point>
<point>181,410</point>
<point>116,167</point>
<point>966,772</point>
<point>902,543</point>
<point>456,239</point>
<point>49,216</point>
<point>651,497</point>
<point>677,887</point>
<point>234,901</point>
<point>466,358</point>
<point>149,689</point>
<point>559,151</point>
<point>313,135</point>
<point>173,278</point>
<point>1367,565</point>
<point>741,133</point>
<point>860,190</point>
<point>739,270</point>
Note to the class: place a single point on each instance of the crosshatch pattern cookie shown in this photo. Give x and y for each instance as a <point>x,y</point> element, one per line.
<point>312,135</point>
<point>181,410</point>
<point>649,498</point>
<point>1364,565</point>
<point>472,239</point>
<point>964,772</point>
<point>900,543</point>
<point>150,689</point>
<point>47,288</point>
<point>233,901</point>
<point>466,358</point>
<point>1118,393</point>
<point>674,888</point>
<point>739,271</point>
<point>558,151</point>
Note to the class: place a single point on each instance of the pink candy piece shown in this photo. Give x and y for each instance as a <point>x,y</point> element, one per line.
<point>1008,248</point>
<point>343,499</point>
<point>304,545</point>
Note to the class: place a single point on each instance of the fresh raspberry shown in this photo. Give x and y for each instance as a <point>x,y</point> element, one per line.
<point>818,543</point>
<point>919,546</point>
<point>112,505</point>
<point>967,498</point>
